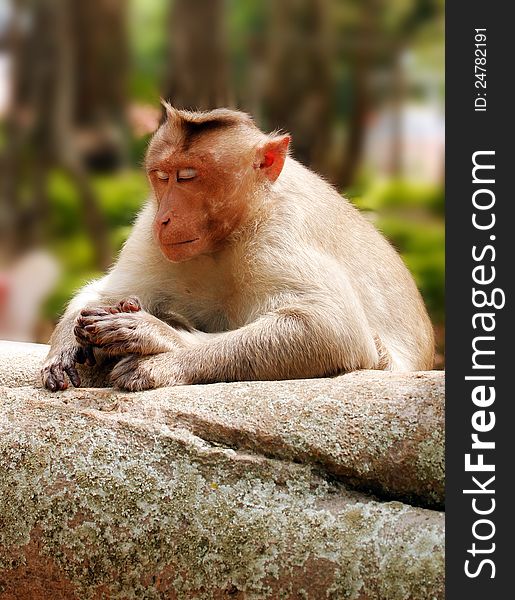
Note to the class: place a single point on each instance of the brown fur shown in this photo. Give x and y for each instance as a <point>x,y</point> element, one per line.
<point>283,278</point>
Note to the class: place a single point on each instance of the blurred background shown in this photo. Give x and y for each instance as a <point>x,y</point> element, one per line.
<point>358,83</point>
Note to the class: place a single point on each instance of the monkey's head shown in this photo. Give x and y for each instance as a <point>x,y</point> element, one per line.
<point>206,169</point>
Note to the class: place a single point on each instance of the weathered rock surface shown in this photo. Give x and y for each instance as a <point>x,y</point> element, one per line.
<point>220,491</point>
<point>20,363</point>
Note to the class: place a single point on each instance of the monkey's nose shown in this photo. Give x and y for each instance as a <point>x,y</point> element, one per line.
<point>165,221</point>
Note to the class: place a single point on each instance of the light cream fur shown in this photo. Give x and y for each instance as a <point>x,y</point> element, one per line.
<point>305,287</point>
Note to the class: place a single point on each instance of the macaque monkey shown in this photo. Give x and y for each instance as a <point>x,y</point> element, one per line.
<point>243,265</point>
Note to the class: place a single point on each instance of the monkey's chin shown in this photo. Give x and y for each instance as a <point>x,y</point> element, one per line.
<point>182,251</point>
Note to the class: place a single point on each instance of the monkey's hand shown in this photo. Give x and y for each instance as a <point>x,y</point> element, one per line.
<point>124,329</point>
<point>136,373</point>
<point>63,362</point>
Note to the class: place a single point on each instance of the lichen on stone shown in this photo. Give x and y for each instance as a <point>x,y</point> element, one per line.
<point>159,495</point>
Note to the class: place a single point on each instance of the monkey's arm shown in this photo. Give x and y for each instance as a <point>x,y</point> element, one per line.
<point>127,277</point>
<point>95,321</point>
<point>291,342</point>
<point>120,332</point>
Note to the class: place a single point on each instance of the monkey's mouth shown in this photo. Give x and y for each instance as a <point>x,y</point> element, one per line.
<point>183,242</point>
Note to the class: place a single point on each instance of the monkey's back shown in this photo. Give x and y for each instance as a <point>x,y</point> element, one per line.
<point>331,225</point>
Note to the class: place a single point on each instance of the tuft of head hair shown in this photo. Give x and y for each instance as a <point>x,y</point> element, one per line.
<point>190,125</point>
<point>183,129</point>
<point>206,119</point>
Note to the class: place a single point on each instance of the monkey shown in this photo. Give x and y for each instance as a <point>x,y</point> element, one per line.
<point>242,265</point>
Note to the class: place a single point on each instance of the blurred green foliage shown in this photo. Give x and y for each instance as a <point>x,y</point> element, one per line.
<point>411,216</point>
<point>403,194</point>
<point>148,42</point>
<point>120,197</point>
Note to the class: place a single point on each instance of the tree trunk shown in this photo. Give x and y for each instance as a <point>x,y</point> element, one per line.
<point>299,91</point>
<point>398,97</point>
<point>198,68</point>
<point>361,62</point>
<point>101,92</point>
<point>10,151</point>
<point>41,126</point>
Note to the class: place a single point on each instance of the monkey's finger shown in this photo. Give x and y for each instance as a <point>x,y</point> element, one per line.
<point>108,328</point>
<point>112,327</point>
<point>87,328</point>
<point>80,355</point>
<point>92,312</point>
<point>90,329</point>
<point>48,380</point>
<point>84,354</point>
<point>115,340</point>
<point>81,322</point>
<point>73,375</point>
<point>96,337</point>
<point>131,304</point>
<point>59,377</point>
<point>90,319</point>
<point>90,356</point>
<point>81,336</point>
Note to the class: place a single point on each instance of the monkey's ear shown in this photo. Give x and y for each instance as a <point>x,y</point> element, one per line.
<point>172,114</point>
<point>271,156</point>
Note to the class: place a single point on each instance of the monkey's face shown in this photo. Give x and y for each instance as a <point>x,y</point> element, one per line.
<point>205,170</point>
<point>198,205</point>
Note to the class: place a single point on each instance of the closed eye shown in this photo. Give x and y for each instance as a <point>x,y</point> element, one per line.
<point>162,175</point>
<point>185,174</point>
